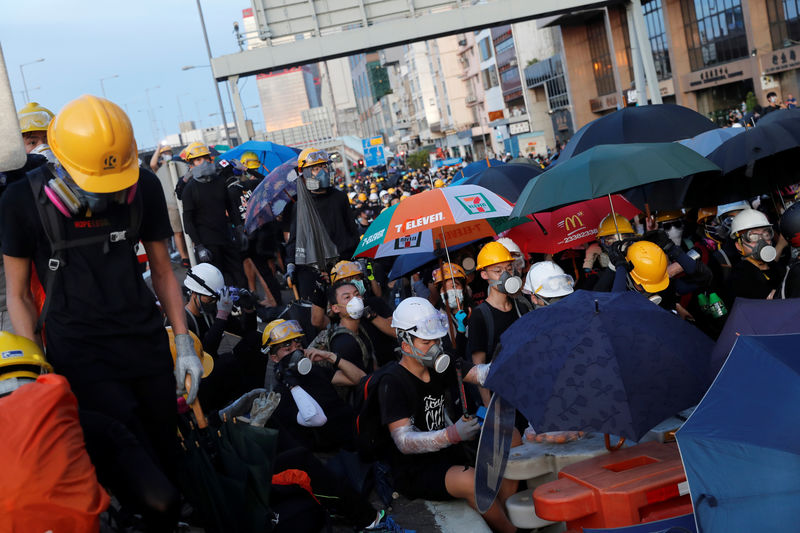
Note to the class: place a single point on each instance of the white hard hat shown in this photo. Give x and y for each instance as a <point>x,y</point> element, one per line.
<point>510,245</point>
<point>748,219</point>
<point>733,206</point>
<point>548,280</point>
<point>417,316</point>
<point>384,193</point>
<point>204,279</point>
<point>373,197</point>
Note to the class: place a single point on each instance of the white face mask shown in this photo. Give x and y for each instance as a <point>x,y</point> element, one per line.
<point>675,235</point>
<point>453,297</point>
<point>355,307</point>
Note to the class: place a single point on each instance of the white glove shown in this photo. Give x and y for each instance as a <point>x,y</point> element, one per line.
<point>242,405</point>
<point>224,304</point>
<point>592,253</point>
<point>187,362</point>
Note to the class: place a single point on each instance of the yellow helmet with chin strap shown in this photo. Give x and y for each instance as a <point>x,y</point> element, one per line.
<point>20,358</point>
<point>34,117</point>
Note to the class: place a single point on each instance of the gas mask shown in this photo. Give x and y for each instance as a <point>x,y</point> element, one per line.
<point>71,200</point>
<point>453,297</point>
<point>507,284</point>
<point>468,263</point>
<point>204,172</point>
<point>44,149</point>
<point>296,362</point>
<point>355,308</point>
<point>759,246</point>
<point>434,358</point>
<point>764,251</point>
<point>321,181</point>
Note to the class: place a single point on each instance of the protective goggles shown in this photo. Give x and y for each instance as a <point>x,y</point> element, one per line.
<point>315,158</point>
<point>284,330</point>
<point>431,327</point>
<point>754,235</point>
<point>668,225</point>
<point>560,284</point>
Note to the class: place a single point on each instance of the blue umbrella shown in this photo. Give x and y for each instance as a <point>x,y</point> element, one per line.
<point>506,180</point>
<point>475,167</point>
<point>269,154</point>
<point>606,362</point>
<point>779,115</point>
<point>708,141</point>
<point>741,446</point>
<point>755,317</point>
<point>641,124</point>
<point>271,196</point>
<point>405,264</point>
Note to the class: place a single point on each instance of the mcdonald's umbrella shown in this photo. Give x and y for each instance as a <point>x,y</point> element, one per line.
<point>271,196</point>
<point>741,446</point>
<point>507,180</point>
<point>758,161</point>
<point>270,154</point>
<point>462,212</point>
<point>606,362</point>
<point>613,168</point>
<point>474,168</point>
<point>313,245</point>
<point>755,317</point>
<point>640,124</point>
<point>552,232</point>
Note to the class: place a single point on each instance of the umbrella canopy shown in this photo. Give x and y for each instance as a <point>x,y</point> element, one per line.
<point>757,161</point>
<point>608,169</point>
<point>779,115</point>
<point>507,180</point>
<point>755,317</point>
<point>475,167</point>
<point>552,232</point>
<point>607,362</point>
<point>406,264</point>
<point>271,196</point>
<point>269,154</point>
<point>640,124</point>
<point>741,446</point>
<point>708,141</point>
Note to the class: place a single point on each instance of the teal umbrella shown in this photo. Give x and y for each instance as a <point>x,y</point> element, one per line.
<point>612,168</point>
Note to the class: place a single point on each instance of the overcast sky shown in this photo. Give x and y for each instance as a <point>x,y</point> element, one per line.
<point>144,42</point>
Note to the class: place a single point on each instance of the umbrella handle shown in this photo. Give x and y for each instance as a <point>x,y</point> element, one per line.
<point>202,422</point>
<point>617,446</point>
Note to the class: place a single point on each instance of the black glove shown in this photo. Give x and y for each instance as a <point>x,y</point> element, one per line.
<point>617,253</point>
<point>246,300</point>
<point>286,375</point>
<point>369,314</point>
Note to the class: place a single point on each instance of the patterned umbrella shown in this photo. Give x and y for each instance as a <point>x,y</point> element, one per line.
<point>271,196</point>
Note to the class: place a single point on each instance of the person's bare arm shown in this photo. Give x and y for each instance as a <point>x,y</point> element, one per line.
<point>21,307</point>
<point>346,374</point>
<point>479,358</point>
<point>154,159</point>
<point>165,285</point>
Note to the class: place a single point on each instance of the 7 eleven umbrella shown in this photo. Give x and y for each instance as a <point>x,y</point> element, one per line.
<point>552,232</point>
<point>449,215</point>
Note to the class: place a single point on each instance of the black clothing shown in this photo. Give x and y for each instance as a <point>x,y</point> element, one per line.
<point>749,281</point>
<point>204,211</point>
<point>347,347</point>
<point>334,211</point>
<point>239,193</point>
<point>477,332</point>
<point>791,284</point>
<point>383,345</point>
<point>210,329</point>
<point>102,322</point>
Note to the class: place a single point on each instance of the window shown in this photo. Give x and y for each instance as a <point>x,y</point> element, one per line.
<point>503,46</point>
<point>654,20</point>
<point>714,31</point>
<point>601,57</point>
<point>489,77</point>
<point>784,22</point>
<point>486,49</point>
<point>510,75</point>
<point>549,72</point>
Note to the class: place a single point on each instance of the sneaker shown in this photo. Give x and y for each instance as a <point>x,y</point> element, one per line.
<point>386,524</point>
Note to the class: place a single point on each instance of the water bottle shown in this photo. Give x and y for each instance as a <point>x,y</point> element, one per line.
<point>717,306</point>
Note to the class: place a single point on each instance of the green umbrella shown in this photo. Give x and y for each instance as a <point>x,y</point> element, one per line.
<point>611,168</point>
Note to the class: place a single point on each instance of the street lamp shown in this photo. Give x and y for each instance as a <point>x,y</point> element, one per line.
<point>102,87</point>
<point>22,74</point>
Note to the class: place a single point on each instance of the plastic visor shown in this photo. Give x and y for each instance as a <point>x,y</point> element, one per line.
<point>560,284</point>
<point>431,327</point>
<point>284,330</point>
<point>754,235</point>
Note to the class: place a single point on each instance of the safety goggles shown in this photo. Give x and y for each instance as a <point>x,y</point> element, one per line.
<point>668,225</point>
<point>498,271</point>
<point>286,344</point>
<point>562,283</point>
<point>283,330</point>
<point>314,158</point>
<point>431,326</point>
<point>754,235</point>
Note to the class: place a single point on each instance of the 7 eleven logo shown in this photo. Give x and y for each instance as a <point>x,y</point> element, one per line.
<point>475,204</point>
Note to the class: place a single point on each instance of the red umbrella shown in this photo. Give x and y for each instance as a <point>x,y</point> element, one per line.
<point>565,228</point>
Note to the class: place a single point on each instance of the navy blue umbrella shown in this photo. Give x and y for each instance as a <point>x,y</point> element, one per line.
<point>641,124</point>
<point>405,264</point>
<point>741,446</point>
<point>474,168</point>
<point>606,362</point>
<point>755,317</point>
<point>505,180</point>
<point>779,115</point>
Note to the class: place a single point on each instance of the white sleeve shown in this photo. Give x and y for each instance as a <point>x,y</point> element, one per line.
<point>309,412</point>
<point>410,440</point>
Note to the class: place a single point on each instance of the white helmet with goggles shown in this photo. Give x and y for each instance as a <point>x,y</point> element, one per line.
<point>416,317</point>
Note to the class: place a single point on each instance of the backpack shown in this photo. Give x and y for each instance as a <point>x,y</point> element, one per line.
<point>53,224</point>
<point>325,337</point>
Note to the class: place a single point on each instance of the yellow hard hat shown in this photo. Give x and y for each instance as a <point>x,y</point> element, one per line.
<point>93,139</point>
<point>438,183</point>
<point>165,148</point>
<point>391,190</point>
<point>345,269</point>
<point>312,156</point>
<point>607,226</point>
<point>649,265</point>
<point>279,331</point>
<point>33,117</point>
<point>665,216</point>
<point>250,160</point>
<point>21,358</point>
<point>362,197</point>
<point>448,271</point>
<point>208,361</point>
<point>195,150</point>
<point>706,212</point>
<point>491,254</point>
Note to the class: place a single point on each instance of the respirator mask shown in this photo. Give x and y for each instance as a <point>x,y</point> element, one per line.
<point>432,327</point>
<point>71,200</point>
<point>320,180</point>
<point>204,172</point>
<point>296,362</point>
<point>762,239</point>
<point>453,297</point>
<point>355,308</point>
<point>507,284</point>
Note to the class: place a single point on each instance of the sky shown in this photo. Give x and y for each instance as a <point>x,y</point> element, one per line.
<point>144,42</point>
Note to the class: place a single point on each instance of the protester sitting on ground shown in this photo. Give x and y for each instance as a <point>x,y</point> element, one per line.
<point>348,337</point>
<point>428,457</point>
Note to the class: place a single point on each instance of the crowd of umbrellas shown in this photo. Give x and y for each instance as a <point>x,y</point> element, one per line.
<point>614,363</point>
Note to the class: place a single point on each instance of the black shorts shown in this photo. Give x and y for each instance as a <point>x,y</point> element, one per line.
<point>425,480</point>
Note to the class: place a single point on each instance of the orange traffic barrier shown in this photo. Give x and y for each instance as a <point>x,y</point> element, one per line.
<point>635,485</point>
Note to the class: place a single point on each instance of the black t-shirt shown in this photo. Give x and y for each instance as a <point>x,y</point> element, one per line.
<point>382,343</point>
<point>102,321</point>
<point>749,281</point>
<point>477,332</point>
<point>205,207</point>
<point>479,289</point>
<point>239,193</point>
<point>347,347</point>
